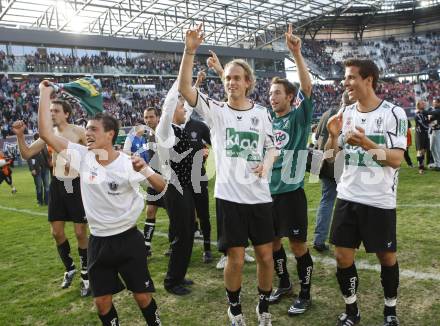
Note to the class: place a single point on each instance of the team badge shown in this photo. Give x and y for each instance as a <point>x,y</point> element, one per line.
<point>255,121</point>
<point>379,124</point>
<point>113,186</point>
<point>193,135</point>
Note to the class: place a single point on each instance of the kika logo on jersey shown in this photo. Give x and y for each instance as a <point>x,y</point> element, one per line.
<point>281,138</point>
<point>242,144</point>
<point>113,186</point>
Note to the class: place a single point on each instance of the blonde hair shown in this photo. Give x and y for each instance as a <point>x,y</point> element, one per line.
<point>248,73</point>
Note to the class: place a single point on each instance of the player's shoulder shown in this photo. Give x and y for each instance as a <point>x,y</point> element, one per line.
<point>391,108</point>
<point>78,129</point>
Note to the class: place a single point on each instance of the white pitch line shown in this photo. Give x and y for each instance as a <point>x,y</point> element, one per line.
<point>327,261</point>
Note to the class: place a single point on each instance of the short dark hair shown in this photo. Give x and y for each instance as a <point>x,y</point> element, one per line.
<point>36,136</point>
<point>109,123</point>
<point>67,108</point>
<point>366,68</point>
<point>156,112</point>
<point>289,87</point>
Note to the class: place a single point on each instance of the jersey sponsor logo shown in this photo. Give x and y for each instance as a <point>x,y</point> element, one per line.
<point>281,138</point>
<point>242,144</point>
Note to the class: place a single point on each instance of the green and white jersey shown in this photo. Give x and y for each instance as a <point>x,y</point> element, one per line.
<point>291,135</point>
<point>364,180</point>
<point>239,139</point>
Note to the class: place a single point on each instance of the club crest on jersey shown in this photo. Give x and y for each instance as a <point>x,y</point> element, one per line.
<point>379,124</point>
<point>113,186</point>
<point>255,121</point>
<point>193,134</point>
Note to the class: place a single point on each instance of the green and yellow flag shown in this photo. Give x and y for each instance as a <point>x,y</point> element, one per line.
<point>87,91</point>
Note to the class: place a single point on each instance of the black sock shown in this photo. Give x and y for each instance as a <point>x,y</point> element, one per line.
<point>148,231</point>
<point>111,318</point>
<point>348,283</point>
<point>280,265</point>
<point>83,260</point>
<point>263,303</point>
<point>64,252</point>
<point>234,301</point>
<point>389,276</point>
<point>420,161</point>
<point>206,243</point>
<point>304,267</point>
<point>151,314</point>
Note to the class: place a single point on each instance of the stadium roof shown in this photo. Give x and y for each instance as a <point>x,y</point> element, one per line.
<point>226,22</point>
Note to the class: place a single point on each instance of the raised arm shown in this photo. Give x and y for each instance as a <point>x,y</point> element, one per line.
<point>193,39</point>
<point>214,63</point>
<point>294,44</point>
<point>45,127</point>
<point>26,151</point>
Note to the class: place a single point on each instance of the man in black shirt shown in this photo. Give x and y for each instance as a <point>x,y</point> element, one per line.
<point>199,137</point>
<point>175,152</point>
<point>422,138</point>
<point>434,119</point>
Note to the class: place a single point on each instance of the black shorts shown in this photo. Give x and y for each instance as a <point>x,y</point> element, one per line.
<point>65,204</point>
<point>422,141</point>
<point>124,255</point>
<point>6,178</point>
<point>159,202</point>
<point>354,223</point>
<point>290,215</point>
<point>239,222</point>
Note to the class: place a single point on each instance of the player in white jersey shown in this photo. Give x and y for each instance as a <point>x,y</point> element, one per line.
<point>112,203</point>
<point>240,133</point>
<point>372,137</point>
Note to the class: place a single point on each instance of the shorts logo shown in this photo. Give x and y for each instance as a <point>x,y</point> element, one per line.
<point>114,322</point>
<point>147,284</point>
<point>295,231</point>
<point>113,186</point>
<point>389,244</point>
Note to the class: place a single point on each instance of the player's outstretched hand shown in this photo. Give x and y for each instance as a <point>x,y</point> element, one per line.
<point>138,163</point>
<point>214,63</point>
<point>293,42</point>
<point>18,127</point>
<point>334,125</point>
<point>193,39</point>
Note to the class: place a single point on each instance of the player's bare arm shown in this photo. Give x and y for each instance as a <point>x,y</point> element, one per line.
<point>193,39</point>
<point>26,151</point>
<point>294,45</point>
<point>334,127</point>
<point>45,122</point>
<point>156,180</point>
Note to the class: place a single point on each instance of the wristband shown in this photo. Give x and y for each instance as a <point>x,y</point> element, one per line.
<point>147,171</point>
<point>187,52</point>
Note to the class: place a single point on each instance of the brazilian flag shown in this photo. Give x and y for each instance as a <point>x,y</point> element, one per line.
<point>87,91</point>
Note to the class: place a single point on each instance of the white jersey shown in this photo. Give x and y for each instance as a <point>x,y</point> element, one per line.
<point>110,193</point>
<point>239,139</point>
<point>364,180</point>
